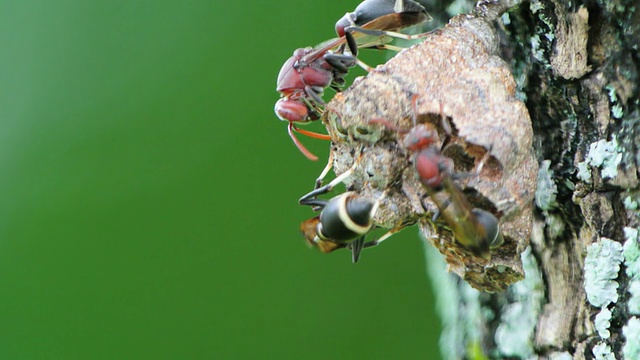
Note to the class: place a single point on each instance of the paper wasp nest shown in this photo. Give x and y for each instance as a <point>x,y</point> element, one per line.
<point>455,69</point>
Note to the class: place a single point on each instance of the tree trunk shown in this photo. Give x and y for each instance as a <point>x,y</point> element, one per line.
<point>566,282</point>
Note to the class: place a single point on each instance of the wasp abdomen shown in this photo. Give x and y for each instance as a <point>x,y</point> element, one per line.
<point>491,227</point>
<point>346,217</point>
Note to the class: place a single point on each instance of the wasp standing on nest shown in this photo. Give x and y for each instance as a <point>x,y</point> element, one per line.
<point>344,220</point>
<point>476,229</point>
<point>305,75</point>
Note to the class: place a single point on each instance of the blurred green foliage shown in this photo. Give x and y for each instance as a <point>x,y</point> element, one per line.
<point>148,194</point>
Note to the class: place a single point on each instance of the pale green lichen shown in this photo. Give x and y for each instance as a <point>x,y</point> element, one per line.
<point>512,338</point>
<point>546,199</point>
<point>460,310</point>
<point>584,172</point>
<point>632,263</point>
<point>634,302</point>
<point>631,234</point>
<point>616,111</point>
<point>602,322</point>
<point>606,155</point>
<point>459,7</point>
<point>537,51</point>
<point>515,334</point>
<point>547,189</point>
<point>449,304</point>
<point>512,3</point>
<point>602,351</point>
<point>547,21</point>
<point>506,19</point>
<point>630,203</point>
<point>560,356</point>
<point>521,78</point>
<point>601,267</point>
<point>550,36</point>
<point>536,6</point>
<point>569,185</point>
<point>631,332</point>
<point>631,252</point>
<point>613,97</point>
<point>555,225</point>
<point>474,352</point>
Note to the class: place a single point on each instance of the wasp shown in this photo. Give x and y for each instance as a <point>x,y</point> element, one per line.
<point>476,229</point>
<point>344,220</point>
<point>305,75</point>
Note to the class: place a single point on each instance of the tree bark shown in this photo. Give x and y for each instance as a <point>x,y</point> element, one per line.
<point>546,84</point>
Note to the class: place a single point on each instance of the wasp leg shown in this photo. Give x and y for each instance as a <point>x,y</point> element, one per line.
<point>341,62</point>
<point>291,128</point>
<point>306,199</point>
<point>476,172</point>
<point>325,189</point>
<point>389,47</point>
<point>436,212</point>
<point>384,237</point>
<point>356,247</point>
<point>351,41</point>
<point>318,204</point>
<point>484,159</point>
<point>436,215</point>
<point>446,125</point>
<point>325,171</point>
<point>364,66</point>
<point>315,93</point>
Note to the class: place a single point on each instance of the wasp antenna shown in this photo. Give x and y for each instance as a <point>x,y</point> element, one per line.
<point>384,237</point>
<point>390,47</point>
<point>301,147</point>
<point>364,65</point>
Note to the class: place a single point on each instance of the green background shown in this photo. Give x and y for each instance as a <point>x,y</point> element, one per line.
<point>148,193</point>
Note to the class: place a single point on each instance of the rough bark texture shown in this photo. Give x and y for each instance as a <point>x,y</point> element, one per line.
<point>546,83</point>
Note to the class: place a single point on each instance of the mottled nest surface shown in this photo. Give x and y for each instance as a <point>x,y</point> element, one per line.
<point>454,71</point>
